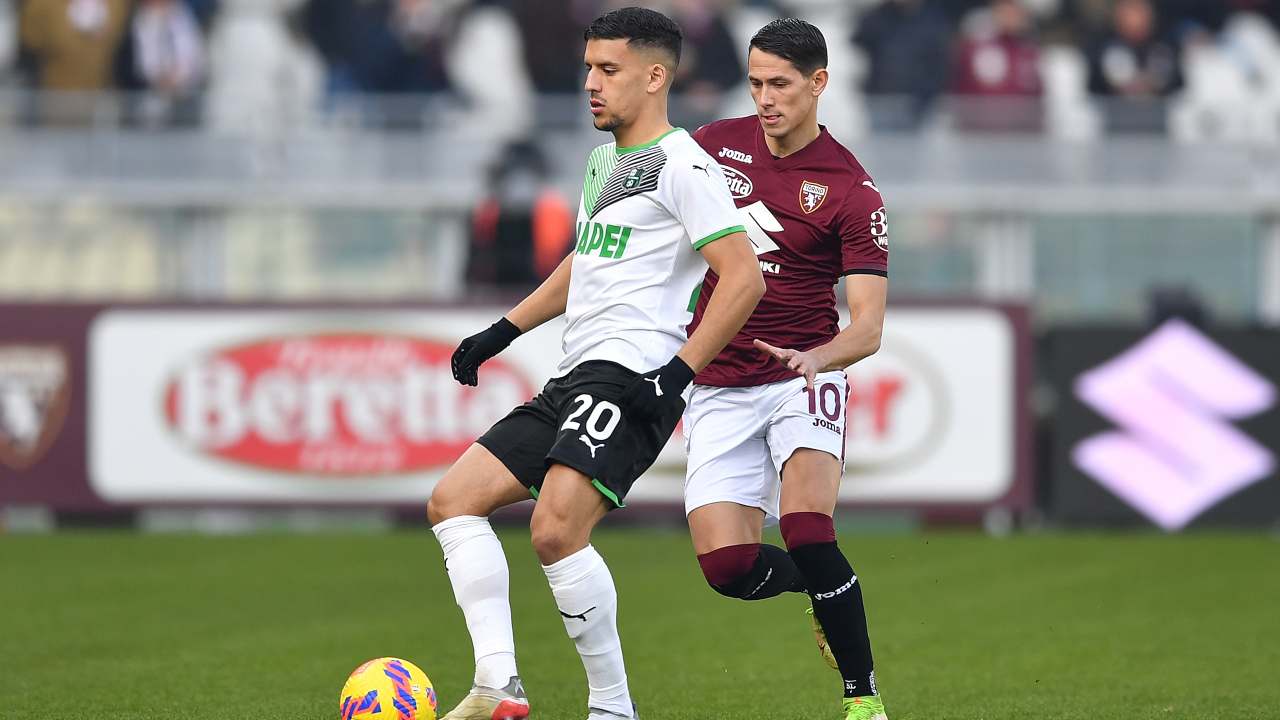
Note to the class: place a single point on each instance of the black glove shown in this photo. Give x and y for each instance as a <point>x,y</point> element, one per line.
<point>473,351</point>
<point>657,392</point>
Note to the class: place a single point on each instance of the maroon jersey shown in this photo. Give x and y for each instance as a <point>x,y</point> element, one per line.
<point>814,216</point>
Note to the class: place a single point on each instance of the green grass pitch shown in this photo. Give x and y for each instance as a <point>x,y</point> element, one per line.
<point>107,626</point>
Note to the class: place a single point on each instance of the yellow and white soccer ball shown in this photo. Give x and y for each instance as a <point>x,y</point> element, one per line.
<point>387,689</point>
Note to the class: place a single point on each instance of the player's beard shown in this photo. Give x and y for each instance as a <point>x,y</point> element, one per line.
<point>608,124</point>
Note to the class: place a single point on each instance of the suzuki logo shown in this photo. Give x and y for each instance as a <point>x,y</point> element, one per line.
<point>1174,396</point>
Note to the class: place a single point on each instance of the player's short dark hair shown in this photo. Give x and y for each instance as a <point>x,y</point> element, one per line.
<point>794,40</point>
<point>639,26</point>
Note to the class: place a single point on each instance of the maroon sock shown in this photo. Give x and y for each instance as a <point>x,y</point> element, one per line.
<point>750,572</point>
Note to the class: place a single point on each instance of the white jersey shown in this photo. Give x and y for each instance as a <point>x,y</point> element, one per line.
<point>644,214</point>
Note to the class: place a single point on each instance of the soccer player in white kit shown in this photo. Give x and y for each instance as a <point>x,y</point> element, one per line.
<point>655,213</point>
<point>766,419</point>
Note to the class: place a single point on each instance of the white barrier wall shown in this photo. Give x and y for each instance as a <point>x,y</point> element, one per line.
<point>358,406</point>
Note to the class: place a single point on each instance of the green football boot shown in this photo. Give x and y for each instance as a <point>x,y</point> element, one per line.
<point>821,637</point>
<point>867,707</point>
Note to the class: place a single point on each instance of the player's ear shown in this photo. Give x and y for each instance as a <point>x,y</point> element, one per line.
<point>658,77</point>
<point>818,83</point>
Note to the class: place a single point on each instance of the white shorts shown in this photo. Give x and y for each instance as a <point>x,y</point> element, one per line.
<point>738,438</point>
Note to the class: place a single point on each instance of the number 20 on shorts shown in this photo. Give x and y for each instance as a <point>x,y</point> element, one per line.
<point>602,421</point>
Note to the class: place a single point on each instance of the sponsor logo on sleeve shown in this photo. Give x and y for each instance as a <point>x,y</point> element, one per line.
<point>880,229</point>
<point>34,395</point>
<point>811,196</point>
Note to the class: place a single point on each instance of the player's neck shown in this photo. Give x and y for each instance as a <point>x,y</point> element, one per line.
<point>794,141</point>
<point>642,131</point>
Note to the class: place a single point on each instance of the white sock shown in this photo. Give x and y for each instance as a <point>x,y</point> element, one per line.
<point>477,570</point>
<point>584,592</point>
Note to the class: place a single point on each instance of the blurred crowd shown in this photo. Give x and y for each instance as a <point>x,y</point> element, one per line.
<point>185,60</point>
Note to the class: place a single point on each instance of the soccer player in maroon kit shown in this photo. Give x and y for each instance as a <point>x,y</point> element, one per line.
<point>766,419</point>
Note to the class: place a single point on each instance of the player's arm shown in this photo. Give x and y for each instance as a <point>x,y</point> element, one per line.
<point>867,295</point>
<point>547,302</point>
<point>864,250</point>
<point>543,304</point>
<point>738,289</point>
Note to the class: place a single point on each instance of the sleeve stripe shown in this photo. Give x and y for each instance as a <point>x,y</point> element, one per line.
<point>717,235</point>
<point>866,271</point>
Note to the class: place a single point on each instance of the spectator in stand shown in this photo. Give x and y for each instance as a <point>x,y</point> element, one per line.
<point>1134,67</point>
<point>523,229</point>
<point>1199,16</point>
<point>551,34</point>
<point>205,12</point>
<point>264,74</point>
<point>421,26</point>
<point>383,47</point>
<point>710,61</point>
<point>551,45</point>
<point>1080,19</point>
<point>958,10</point>
<point>710,64</point>
<point>907,43</point>
<point>8,38</point>
<point>163,61</point>
<point>997,72</point>
<point>70,46</point>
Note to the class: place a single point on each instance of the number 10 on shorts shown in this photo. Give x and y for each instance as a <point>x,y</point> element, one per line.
<point>825,398</point>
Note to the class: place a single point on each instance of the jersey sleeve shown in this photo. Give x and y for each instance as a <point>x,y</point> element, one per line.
<point>699,199</point>
<point>864,232</point>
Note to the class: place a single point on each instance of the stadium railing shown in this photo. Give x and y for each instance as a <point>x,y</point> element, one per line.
<point>372,198</point>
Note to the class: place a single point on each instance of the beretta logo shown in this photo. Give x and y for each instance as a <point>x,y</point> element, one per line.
<point>34,395</point>
<point>344,404</point>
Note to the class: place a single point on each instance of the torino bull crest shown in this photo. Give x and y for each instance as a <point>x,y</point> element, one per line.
<point>811,196</point>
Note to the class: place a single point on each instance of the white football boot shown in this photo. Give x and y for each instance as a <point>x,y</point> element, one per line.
<point>486,703</point>
<point>598,714</point>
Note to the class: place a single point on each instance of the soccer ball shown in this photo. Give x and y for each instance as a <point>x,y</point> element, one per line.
<point>387,689</point>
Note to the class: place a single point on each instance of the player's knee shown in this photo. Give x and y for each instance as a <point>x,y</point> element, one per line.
<point>552,539</point>
<point>446,503</point>
<point>729,570</point>
<point>437,510</point>
<point>807,528</point>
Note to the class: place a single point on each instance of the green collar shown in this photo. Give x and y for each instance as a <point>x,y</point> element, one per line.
<point>651,143</point>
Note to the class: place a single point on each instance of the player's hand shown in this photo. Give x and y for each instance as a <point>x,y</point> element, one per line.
<point>473,351</point>
<point>657,392</point>
<point>799,362</point>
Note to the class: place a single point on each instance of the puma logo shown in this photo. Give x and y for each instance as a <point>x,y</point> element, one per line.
<point>657,386</point>
<point>582,616</point>
<point>590,445</point>
<point>703,168</point>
